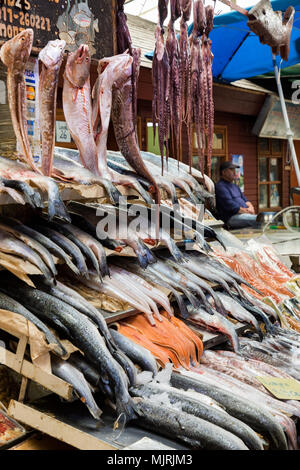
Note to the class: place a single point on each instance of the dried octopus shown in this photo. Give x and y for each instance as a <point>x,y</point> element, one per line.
<point>185,68</point>
<point>161,84</point>
<point>175,88</point>
<point>198,90</point>
<point>208,86</point>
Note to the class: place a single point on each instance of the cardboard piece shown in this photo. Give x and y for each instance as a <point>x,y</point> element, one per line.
<point>282,388</point>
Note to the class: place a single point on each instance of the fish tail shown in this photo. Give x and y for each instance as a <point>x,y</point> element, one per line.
<point>142,192</point>
<point>174,250</point>
<point>147,252</point>
<point>113,193</point>
<point>56,208</point>
<point>96,413</point>
<point>127,409</point>
<point>191,297</point>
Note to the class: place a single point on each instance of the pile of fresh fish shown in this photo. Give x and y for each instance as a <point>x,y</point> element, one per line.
<point>263,269</point>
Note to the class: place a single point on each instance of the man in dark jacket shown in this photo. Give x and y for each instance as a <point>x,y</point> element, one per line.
<point>232,205</point>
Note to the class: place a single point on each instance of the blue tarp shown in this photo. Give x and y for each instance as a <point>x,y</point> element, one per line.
<point>237,51</point>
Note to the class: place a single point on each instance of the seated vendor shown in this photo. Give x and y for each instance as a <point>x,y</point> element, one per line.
<point>232,205</point>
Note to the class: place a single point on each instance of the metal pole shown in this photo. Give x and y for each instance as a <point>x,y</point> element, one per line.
<point>289,133</point>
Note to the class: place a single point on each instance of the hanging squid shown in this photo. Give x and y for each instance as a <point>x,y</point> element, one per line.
<point>175,91</point>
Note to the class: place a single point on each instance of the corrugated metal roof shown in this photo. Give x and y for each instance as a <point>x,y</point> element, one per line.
<point>246,84</point>
<point>143,36</point>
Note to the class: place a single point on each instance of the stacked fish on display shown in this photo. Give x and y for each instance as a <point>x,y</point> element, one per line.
<point>264,270</point>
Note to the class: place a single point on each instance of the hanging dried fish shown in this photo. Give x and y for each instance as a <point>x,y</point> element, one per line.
<point>175,91</point>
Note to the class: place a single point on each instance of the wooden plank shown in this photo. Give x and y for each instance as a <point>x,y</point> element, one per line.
<point>23,389</point>
<point>55,428</point>
<point>19,356</point>
<point>41,442</point>
<point>30,371</point>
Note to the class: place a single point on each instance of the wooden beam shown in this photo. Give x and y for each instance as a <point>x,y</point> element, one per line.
<point>30,371</point>
<point>55,428</point>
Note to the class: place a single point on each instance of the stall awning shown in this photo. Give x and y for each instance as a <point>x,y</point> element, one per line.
<point>237,51</point>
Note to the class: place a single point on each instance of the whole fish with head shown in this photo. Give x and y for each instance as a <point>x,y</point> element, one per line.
<point>247,391</point>
<point>70,374</point>
<point>135,352</point>
<point>256,416</point>
<point>195,432</point>
<point>195,407</point>
<point>216,323</point>
<point>8,303</point>
<point>65,244</point>
<point>118,230</point>
<point>67,169</point>
<point>183,166</point>
<point>51,57</point>
<point>82,332</point>
<point>11,169</point>
<point>75,300</point>
<point>15,54</point>
<point>77,107</point>
<point>202,271</point>
<point>110,70</point>
<point>125,129</point>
